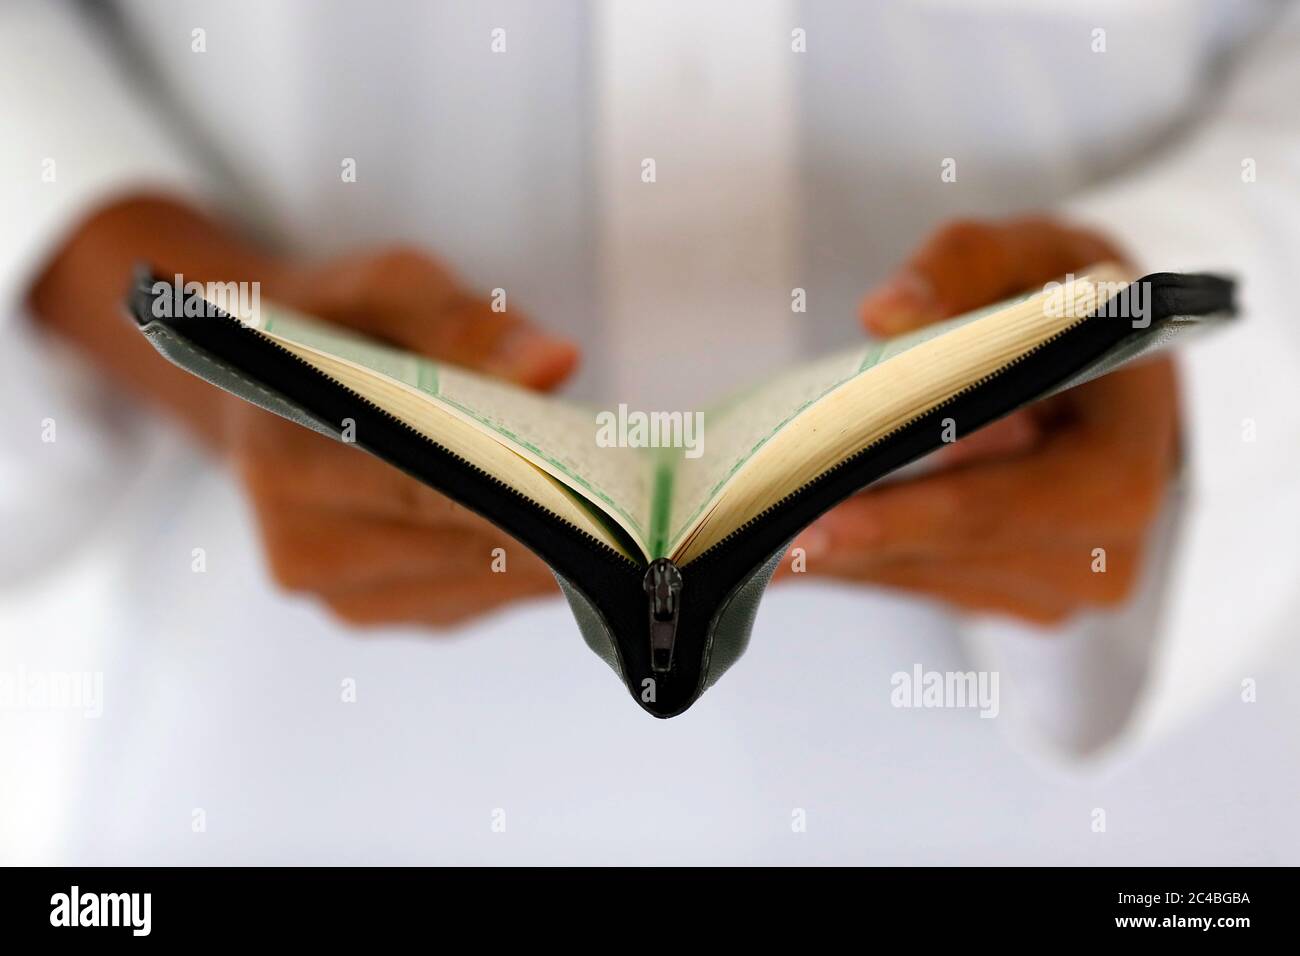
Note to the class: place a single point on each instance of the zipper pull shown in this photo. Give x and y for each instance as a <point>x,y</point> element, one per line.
<point>663,585</point>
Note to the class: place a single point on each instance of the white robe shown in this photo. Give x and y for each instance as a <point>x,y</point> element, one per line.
<point>775,169</point>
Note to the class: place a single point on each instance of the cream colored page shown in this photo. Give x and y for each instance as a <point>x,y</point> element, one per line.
<point>464,440</point>
<point>556,436</point>
<point>751,433</point>
<point>736,429</point>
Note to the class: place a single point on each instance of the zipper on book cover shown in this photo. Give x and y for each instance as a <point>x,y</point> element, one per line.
<point>594,543</point>
<point>663,588</point>
<point>732,539</point>
<point>663,579</point>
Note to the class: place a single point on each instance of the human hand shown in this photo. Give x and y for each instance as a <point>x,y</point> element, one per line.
<point>374,545</point>
<point>1010,524</point>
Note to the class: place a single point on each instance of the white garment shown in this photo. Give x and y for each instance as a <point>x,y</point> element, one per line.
<point>774,169</point>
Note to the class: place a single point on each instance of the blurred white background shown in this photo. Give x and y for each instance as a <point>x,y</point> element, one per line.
<point>226,706</point>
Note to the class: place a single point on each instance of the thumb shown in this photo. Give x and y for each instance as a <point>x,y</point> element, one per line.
<point>961,266</point>
<point>967,264</point>
<point>406,298</point>
<point>532,357</point>
<point>468,332</point>
<point>904,302</point>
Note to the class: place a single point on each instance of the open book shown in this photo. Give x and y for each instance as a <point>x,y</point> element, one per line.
<point>664,527</point>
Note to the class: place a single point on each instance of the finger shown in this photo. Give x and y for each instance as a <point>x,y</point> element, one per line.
<point>968,264</point>
<point>407,298</point>
<point>508,346</point>
<point>1013,435</point>
<point>1137,404</point>
<point>943,583</point>
<point>294,467</point>
<point>1072,488</point>
<point>436,604</point>
<point>314,551</point>
<point>1100,574</point>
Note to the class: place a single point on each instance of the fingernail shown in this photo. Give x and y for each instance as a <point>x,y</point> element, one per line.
<point>531,357</point>
<point>903,303</point>
<point>814,540</point>
<point>1010,436</point>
